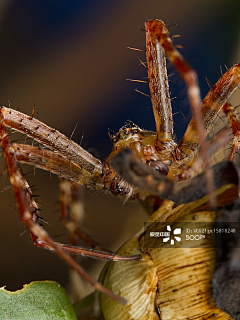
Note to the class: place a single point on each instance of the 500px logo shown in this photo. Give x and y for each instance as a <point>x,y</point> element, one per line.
<point>188,234</point>
<point>195,237</point>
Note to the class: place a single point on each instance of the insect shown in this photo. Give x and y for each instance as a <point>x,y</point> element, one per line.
<point>159,170</point>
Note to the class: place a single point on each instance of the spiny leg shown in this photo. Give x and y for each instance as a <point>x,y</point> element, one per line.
<point>48,160</point>
<point>235,124</point>
<point>72,215</point>
<point>51,138</point>
<point>72,212</point>
<point>216,142</point>
<point>92,172</point>
<point>28,213</point>
<point>45,159</point>
<point>160,35</point>
<point>211,106</point>
<point>158,84</point>
<point>51,161</point>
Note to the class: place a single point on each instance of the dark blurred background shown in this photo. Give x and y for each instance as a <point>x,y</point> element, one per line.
<point>70,59</point>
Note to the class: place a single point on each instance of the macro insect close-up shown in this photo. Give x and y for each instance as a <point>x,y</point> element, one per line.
<point>175,180</point>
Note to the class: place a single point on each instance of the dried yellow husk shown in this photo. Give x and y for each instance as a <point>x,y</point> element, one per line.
<point>167,283</point>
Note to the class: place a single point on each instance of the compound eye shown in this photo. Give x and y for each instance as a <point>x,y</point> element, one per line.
<point>119,187</point>
<point>134,130</point>
<point>115,188</point>
<point>159,166</point>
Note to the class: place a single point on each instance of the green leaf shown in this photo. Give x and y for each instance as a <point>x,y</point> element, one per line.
<point>37,300</point>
